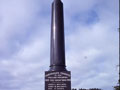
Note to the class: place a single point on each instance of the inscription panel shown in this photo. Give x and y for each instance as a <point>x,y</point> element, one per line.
<point>57,80</point>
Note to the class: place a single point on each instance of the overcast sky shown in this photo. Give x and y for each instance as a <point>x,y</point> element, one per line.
<point>91,38</point>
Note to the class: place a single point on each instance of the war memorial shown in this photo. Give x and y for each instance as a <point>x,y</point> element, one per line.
<point>58,77</point>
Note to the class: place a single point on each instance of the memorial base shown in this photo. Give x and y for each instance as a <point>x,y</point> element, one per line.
<point>55,80</point>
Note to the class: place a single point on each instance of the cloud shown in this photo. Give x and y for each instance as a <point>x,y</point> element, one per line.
<point>91,43</point>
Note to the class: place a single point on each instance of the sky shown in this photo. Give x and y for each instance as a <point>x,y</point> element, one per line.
<point>91,43</point>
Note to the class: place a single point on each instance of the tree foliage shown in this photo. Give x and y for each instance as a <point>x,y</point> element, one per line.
<point>117,88</point>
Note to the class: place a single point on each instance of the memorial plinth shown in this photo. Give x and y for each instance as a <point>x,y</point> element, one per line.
<point>57,78</point>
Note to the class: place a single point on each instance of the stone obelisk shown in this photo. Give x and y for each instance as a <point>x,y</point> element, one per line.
<point>57,38</point>
<point>57,78</point>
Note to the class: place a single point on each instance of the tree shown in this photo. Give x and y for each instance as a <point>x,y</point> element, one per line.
<point>117,87</point>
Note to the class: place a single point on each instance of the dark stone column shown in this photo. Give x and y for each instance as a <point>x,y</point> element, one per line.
<point>57,57</point>
<point>57,78</point>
